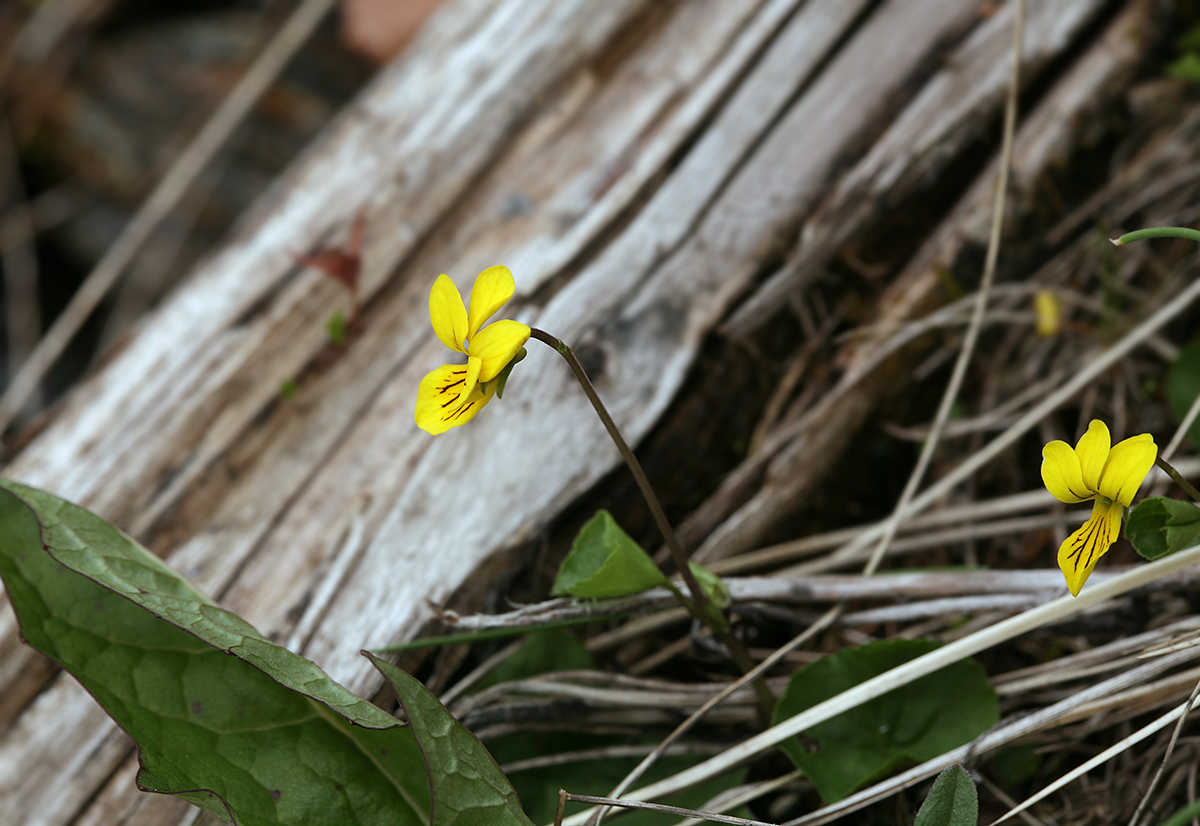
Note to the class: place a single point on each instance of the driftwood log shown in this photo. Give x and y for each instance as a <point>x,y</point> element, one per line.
<point>653,173</point>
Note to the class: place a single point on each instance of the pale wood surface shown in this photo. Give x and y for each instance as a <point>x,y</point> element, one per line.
<point>639,165</point>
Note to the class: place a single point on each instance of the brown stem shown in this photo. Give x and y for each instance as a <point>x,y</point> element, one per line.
<point>635,467</point>
<point>697,605</point>
<point>1177,478</point>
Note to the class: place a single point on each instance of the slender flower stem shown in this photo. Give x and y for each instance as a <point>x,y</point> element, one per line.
<point>1157,232</point>
<point>635,467</point>
<point>698,605</point>
<point>1178,479</point>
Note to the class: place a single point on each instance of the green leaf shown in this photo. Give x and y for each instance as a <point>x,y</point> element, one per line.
<point>952,801</point>
<point>337,329</point>
<point>1014,765</point>
<point>288,389</point>
<point>916,722</point>
<point>606,562</point>
<point>1183,816</point>
<point>466,785</point>
<point>1183,385</point>
<point>1159,526</point>
<point>1186,67</point>
<point>222,717</point>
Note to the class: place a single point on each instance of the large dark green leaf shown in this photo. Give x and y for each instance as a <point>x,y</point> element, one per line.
<point>222,716</point>
<point>915,722</point>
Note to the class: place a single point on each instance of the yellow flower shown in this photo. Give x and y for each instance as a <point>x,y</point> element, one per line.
<point>1094,471</point>
<point>1048,311</point>
<point>452,394</point>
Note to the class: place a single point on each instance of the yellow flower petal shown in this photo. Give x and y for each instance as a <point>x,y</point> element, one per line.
<point>496,345</point>
<point>1062,473</point>
<point>1048,311</point>
<point>1093,453</point>
<point>448,314</point>
<point>1079,552</point>
<point>442,402</point>
<point>493,288</point>
<point>1128,463</point>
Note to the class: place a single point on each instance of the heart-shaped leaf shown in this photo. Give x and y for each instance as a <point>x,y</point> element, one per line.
<point>605,562</point>
<point>916,722</point>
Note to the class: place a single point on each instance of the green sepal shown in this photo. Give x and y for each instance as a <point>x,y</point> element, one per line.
<point>502,376</point>
<point>713,586</point>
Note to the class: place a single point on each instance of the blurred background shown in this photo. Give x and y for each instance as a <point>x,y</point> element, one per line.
<point>100,98</point>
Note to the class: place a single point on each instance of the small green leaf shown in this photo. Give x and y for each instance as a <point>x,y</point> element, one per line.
<point>714,587</point>
<point>1186,67</point>
<point>466,785</point>
<point>336,328</point>
<point>1159,526</point>
<point>916,722</point>
<point>1183,385</point>
<point>952,801</point>
<point>222,717</point>
<point>1183,816</point>
<point>288,388</point>
<point>606,562</point>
